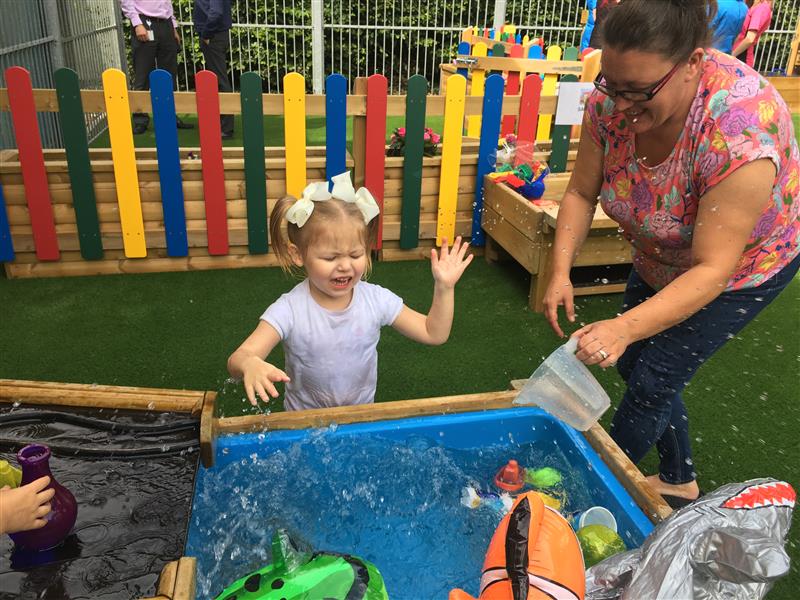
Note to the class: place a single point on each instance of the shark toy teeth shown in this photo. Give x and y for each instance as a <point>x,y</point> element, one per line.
<point>763,495</point>
<point>729,543</point>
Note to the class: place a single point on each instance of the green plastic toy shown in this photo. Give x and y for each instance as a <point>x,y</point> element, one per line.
<point>543,478</point>
<point>9,476</point>
<point>299,575</point>
<point>598,542</point>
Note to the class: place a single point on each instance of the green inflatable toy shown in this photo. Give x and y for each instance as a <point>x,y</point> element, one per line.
<point>598,542</point>
<point>300,575</point>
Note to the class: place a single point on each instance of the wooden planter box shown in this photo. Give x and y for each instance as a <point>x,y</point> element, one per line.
<point>177,578</point>
<point>518,227</point>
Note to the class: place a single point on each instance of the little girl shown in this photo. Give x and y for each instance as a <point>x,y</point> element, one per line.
<point>330,322</point>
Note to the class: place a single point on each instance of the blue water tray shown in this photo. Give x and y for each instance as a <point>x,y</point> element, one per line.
<point>495,435</point>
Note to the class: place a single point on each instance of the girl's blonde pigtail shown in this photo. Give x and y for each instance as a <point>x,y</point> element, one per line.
<point>278,234</point>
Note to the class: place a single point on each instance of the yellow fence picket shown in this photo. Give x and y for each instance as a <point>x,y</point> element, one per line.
<point>548,89</point>
<point>478,82</point>
<point>115,90</point>
<point>451,158</point>
<point>294,127</point>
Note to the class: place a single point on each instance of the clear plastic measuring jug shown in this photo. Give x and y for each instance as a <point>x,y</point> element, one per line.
<point>565,388</point>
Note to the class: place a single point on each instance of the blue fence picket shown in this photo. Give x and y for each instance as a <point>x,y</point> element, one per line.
<point>6,245</point>
<point>463,48</point>
<point>169,162</point>
<point>487,150</point>
<point>335,125</point>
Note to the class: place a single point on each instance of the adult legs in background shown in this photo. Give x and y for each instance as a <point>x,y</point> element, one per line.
<point>144,61</point>
<point>215,54</point>
<point>657,369</point>
<point>167,49</point>
<point>161,52</point>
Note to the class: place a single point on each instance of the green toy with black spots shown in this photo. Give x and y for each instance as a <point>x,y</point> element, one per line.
<point>299,575</point>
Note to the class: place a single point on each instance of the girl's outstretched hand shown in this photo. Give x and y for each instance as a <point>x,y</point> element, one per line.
<point>260,378</point>
<point>449,264</point>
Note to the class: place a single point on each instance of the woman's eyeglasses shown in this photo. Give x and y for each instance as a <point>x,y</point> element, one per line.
<point>634,95</point>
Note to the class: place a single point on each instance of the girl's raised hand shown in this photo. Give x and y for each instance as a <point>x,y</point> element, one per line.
<point>260,378</point>
<point>449,264</point>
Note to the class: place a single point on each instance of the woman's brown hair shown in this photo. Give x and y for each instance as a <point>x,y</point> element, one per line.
<point>672,28</point>
<point>326,214</point>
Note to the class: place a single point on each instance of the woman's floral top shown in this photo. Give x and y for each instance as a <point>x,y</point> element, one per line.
<point>736,117</point>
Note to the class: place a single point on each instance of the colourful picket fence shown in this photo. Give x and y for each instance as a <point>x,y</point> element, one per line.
<point>182,222</point>
<point>518,59</point>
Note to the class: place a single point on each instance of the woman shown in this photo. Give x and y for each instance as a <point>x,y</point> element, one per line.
<point>755,24</point>
<point>694,154</point>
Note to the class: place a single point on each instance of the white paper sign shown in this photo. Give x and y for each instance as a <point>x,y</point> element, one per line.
<point>572,96</point>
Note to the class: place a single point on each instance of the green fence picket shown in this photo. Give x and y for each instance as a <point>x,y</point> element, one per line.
<point>76,145</point>
<point>570,53</point>
<point>498,50</point>
<point>416,99</point>
<point>254,175</point>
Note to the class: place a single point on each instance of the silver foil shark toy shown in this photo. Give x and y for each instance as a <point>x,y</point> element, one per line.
<point>727,544</point>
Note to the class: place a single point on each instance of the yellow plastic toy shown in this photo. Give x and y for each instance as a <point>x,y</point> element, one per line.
<point>9,476</point>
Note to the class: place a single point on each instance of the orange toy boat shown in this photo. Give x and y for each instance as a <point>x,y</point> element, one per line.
<point>533,555</point>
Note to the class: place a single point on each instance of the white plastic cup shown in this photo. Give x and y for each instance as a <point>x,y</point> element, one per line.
<point>596,515</point>
<point>565,388</point>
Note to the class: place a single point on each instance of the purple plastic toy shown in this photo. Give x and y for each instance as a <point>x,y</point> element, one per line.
<point>35,462</point>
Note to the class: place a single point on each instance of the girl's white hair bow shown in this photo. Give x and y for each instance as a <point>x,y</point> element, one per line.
<point>301,210</point>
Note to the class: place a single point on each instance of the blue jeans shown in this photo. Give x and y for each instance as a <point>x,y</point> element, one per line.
<point>657,369</point>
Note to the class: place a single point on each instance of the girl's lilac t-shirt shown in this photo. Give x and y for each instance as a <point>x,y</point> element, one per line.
<point>331,356</point>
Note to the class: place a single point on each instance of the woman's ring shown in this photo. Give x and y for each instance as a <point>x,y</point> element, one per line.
<point>603,353</point>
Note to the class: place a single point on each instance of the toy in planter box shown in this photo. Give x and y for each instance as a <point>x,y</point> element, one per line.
<point>517,168</point>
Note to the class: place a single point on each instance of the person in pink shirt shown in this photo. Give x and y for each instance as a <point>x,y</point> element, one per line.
<point>755,24</point>
<point>154,44</point>
<point>693,153</point>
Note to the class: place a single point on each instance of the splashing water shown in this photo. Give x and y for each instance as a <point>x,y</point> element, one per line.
<point>394,504</point>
